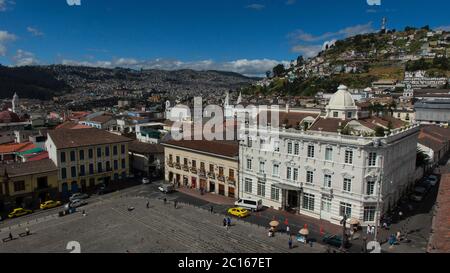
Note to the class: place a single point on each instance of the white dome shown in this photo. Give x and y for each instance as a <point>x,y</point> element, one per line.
<point>342,99</point>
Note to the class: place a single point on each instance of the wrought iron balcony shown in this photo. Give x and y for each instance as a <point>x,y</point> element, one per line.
<point>231,181</point>
<point>211,175</point>
<point>202,173</point>
<point>170,164</point>
<point>221,178</point>
<point>185,168</point>
<point>194,170</point>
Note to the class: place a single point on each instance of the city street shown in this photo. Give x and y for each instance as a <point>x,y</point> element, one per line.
<point>112,214</point>
<point>111,226</point>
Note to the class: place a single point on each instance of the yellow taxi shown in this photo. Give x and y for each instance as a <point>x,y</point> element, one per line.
<point>19,212</point>
<point>50,204</point>
<point>239,212</point>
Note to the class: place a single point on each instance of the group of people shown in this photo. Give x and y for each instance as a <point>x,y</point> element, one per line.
<point>370,229</point>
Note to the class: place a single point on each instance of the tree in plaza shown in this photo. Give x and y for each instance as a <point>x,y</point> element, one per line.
<point>422,159</point>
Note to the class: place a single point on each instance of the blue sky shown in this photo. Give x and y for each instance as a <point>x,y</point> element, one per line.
<point>246,36</point>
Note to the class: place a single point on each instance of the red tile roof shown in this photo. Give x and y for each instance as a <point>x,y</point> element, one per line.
<point>222,148</point>
<point>40,156</point>
<point>329,125</point>
<point>292,118</point>
<point>440,239</point>
<point>16,147</point>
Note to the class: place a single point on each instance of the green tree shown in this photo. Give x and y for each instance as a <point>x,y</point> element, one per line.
<point>278,70</point>
<point>422,159</point>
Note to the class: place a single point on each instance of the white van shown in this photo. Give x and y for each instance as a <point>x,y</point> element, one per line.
<point>249,204</point>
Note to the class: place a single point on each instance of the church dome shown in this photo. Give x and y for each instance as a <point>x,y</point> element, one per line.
<point>342,99</point>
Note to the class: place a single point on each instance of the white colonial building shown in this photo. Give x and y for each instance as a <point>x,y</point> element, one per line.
<point>331,168</point>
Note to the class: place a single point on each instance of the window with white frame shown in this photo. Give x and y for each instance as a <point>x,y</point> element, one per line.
<point>290,148</point>
<point>372,159</point>
<point>289,173</point>
<point>261,188</point>
<point>349,157</point>
<point>329,154</point>
<point>308,201</point>
<point>248,185</point>
<point>327,181</point>
<point>311,151</point>
<point>345,209</point>
<point>249,164</point>
<point>276,146</point>
<point>296,149</point>
<point>347,185</point>
<point>310,177</point>
<point>262,167</point>
<point>370,187</point>
<point>369,213</point>
<point>326,204</point>
<point>276,170</point>
<point>274,193</point>
<point>295,178</point>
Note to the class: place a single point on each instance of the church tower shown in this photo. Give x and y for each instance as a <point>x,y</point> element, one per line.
<point>15,103</point>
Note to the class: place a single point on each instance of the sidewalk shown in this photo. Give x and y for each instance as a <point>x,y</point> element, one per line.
<point>209,197</point>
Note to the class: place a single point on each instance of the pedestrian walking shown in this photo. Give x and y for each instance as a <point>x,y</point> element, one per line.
<point>165,201</point>
<point>175,204</point>
<point>212,209</point>
<point>148,204</point>
<point>11,236</point>
<point>288,230</point>
<point>290,242</point>
<point>369,229</point>
<point>229,221</point>
<point>27,231</point>
<point>224,222</point>
<point>84,213</point>
<point>399,236</point>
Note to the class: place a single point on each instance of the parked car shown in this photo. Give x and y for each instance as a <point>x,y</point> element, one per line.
<point>419,194</point>
<point>253,205</point>
<point>239,212</point>
<point>19,212</point>
<point>50,204</point>
<point>145,181</point>
<point>78,196</point>
<point>426,185</point>
<point>334,240</point>
<point>432,180</point>
<point>76,204</point>
<point>166,188</point>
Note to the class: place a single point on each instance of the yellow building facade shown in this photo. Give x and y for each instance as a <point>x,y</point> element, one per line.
<point>200,166</point>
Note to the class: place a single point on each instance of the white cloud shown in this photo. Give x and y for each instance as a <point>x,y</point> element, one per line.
<point>256,67</point>
<point>444,28</point>
<point>24,58</point>
<point>256,6</point>
<point>4,5</point>
<point>35,31</point>
<point>5,37</point>
<point>307,51</point>
<point>303,36</point>
<point>309,45</point>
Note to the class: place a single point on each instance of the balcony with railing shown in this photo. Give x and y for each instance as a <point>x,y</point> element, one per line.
<point>202,173</point>
<point>231,181</point>
<point>194,170</point>
<point>185,168</point>
<point>170,164</point>
<point>178,166</point>
<point>221,178</point>
<point>211,175</point>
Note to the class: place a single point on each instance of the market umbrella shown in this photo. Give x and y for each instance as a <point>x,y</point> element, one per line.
<point>304,232</point>
<point>353,221</point>
<point>274,224</point>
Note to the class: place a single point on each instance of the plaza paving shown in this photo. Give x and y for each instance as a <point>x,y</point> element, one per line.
<point>109,227</point>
